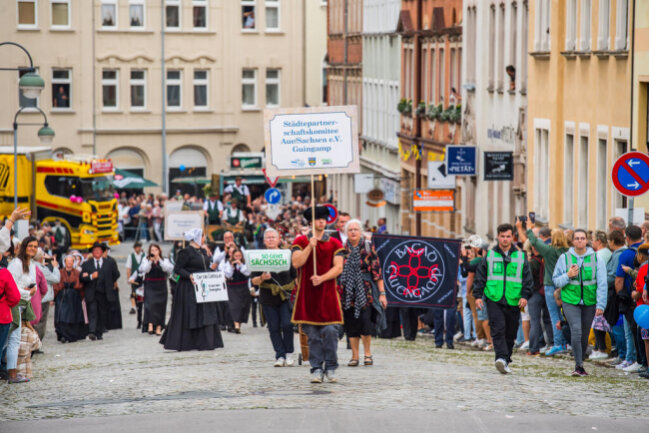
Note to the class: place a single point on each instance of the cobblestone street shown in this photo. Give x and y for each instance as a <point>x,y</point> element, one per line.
<point>129,373</point>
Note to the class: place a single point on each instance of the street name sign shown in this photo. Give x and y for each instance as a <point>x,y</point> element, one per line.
<point>461,160</point>
<point>631,174</point>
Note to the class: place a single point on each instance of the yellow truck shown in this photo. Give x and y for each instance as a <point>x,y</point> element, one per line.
<point>77,191</point>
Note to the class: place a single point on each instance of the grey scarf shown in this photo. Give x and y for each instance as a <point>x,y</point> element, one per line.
<point>352,281</point>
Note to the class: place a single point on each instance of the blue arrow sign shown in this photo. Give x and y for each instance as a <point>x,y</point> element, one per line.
<point>631,174</point>
<point>461,160</point>
<point>272,196</point>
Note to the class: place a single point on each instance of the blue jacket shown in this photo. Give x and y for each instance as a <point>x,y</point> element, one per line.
<point>560,276</point>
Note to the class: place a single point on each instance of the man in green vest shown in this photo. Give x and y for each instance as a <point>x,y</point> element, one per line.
<point>581,277</point>
<point>505,279</point>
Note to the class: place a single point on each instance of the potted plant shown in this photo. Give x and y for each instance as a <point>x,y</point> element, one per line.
<point>405,107</point>
<point>421,109</point>
<point>456,114</point>
<point>446,114</point>
<point>434,111</point>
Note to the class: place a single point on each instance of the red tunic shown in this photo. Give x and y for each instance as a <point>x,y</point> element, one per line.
<point>317,305</point>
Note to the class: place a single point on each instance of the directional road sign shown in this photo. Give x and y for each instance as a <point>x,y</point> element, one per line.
<point>631,174</point>
<point>461,160</point>
<point>272,195</point>
<point>438,178</point>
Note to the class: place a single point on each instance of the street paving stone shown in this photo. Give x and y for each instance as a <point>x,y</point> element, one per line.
<point>130,373</point>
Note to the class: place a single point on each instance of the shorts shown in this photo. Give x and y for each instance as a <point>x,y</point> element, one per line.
<point>483,314</point>
<point>525,314</point>
<point>644,333</point>
<point>355,327</point>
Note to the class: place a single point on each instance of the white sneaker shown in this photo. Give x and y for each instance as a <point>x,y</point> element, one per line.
<point>501,366</point>
<point>633,368</point>
<point>597,355</point>
<point>622,365</point>
<point>545,349</point>
<point>281,362</point>
<point>479,342</point>
<point>525,345</point>
<point>290,362</point>
<point>457,336</point>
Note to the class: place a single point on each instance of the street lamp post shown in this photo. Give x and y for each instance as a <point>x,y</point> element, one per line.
<point>45,133</point>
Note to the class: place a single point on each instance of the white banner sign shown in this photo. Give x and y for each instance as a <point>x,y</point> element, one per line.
<point>177,223</point>
<point>363,183</point>
<point>311,140</point>
<point>391,190</point>
<point>268,260</point>
<point>210,287</point>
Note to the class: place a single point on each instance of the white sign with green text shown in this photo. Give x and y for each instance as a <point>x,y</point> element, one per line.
<point>268,260</point>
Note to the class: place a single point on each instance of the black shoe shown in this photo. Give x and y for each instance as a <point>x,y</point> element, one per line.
<point>92,336</point>
<point>450,346</point>
<point>644,374</point>
<point>99,337</point>
<point>254,325</point>
<point>132,311</point>
<point>139,325</point>
<point>231,330</point>
<point>438,346</point>
<point>237,330</point>
<point>3,375</point>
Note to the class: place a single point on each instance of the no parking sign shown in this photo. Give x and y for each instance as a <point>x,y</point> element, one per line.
<point>631,174</point>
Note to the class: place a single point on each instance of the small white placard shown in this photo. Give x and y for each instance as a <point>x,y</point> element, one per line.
<point>210,287</point>
<point>177,223</point>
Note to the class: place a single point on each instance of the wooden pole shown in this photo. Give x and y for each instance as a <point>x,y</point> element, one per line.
<point>315,272</point>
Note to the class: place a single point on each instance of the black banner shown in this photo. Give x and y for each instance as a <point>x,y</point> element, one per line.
<point>418,272</point>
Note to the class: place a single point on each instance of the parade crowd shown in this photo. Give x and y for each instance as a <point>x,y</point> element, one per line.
<point>545,291</point>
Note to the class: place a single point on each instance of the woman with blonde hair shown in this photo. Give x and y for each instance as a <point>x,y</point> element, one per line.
<point>550,254</point>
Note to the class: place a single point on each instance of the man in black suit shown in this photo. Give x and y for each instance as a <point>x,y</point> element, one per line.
<point>99,279</point>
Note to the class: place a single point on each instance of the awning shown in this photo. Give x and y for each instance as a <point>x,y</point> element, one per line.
<point>126,180</point>
<point>192,180</point>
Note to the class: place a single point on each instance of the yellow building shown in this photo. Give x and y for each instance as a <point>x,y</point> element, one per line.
<point>641,79</point>
<point>579,101</point>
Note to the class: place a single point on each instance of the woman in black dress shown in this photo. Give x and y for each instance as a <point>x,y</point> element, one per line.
<point>69,321</point>
<point>192,326</point>
<point>155,270</point>
<point>239,297</point>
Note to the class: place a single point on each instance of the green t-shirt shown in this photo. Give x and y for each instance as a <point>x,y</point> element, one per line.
<point>550,256</point>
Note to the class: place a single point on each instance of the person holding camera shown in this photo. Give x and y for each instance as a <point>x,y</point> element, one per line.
<point>49,268</point>
<point>155,270</point>
<point>239,298</point>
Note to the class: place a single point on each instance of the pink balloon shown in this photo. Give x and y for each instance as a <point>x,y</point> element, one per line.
<point>73,198</point>
<point>116,195</point>
<point>79,199</point>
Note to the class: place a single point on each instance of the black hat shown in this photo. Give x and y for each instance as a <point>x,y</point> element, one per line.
<point>98,245</point>
<point>321,212</point>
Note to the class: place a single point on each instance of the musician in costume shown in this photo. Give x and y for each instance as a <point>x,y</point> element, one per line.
<point>317,302</point>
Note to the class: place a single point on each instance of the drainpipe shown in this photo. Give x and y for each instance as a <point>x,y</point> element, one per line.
<point>416,98</point>
<point>632,35</point>
<point>345,30</point>
<point>165,182</point>
<point>94,83</point>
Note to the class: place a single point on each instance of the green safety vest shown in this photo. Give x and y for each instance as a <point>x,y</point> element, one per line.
<point>213,213</point>
<point>501,279</point>
<point>584,285</point>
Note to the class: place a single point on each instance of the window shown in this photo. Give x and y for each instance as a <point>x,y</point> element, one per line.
<point>110,89</point>
<point>619,201</point>
<point>199,14</point>
<point>424,76</point>
<point>272,87</point>
<point>201,82</point>
<point>571,25</point>
<point>26,102</point>
<point>136,15</point>
<point>432,99</point>
<point>27,17</point>
<point>61,80</point>
<point>541,177</point>
<point>109,14</point>
<point>453,69</point>
<point>272,15</point>
<point>622,24</point>
<point>492,47</point>
<point>584,38</point>
<point>603,28</point>
<point>513,34</point>
<point>441,78</point>
<point>583,182</point>
<point>60,13</point>
<point>248,15</point>
<point>172,14</point>
<point>568,182</point>
<point>542,26</point>
<point>249,88</point>
<point>501,48</point>
<point>525,24</point>
<point>174,89</point>
<point>602,177</point>
<point>138,89</point>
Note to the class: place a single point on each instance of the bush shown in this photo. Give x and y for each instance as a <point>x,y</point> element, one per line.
<point>405,106</point>
<point>434,112</point>
<point>421,109</point>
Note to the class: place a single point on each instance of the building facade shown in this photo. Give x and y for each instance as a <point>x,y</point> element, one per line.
<point>109,69</point>
<point>579,91</point>
<point>431,32</point>
<point>495,35</point>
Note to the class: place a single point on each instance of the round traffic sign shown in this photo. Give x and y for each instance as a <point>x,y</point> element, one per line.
<point>272,196</point>
<point>333,213</point>
<point>631,174</point>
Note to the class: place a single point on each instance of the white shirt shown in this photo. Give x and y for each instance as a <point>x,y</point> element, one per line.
<point>243,189</point>
<point>219,255</point>
<point>146,266</point>
<point>228,270</point>
<point>138,259</point>
<point>232,213</point>
<point>217,203</point>
<point>23,280</point>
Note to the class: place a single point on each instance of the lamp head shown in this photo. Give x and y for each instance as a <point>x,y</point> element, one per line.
<point>31,84</point>
<point>46,134</point>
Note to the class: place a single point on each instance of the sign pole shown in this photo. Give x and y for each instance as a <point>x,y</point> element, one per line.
<point>630,220</point>
<point>315,272</point>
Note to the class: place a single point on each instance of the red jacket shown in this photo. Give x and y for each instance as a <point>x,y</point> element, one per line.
<point>10,296</point>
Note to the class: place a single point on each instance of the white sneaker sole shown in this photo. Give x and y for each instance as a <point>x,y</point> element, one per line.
<point>501,367</point>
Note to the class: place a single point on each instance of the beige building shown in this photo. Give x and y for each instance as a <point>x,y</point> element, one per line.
<point>224,62</point>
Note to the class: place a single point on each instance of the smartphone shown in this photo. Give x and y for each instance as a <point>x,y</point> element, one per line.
<point>532,216</point>
<point>522,218</point>
<point>31,286</point>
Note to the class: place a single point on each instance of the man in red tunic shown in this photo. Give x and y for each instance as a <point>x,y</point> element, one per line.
<point>317,302</point>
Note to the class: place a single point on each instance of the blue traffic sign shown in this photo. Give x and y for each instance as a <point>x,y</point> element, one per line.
<point>631,174</point>
<point>272,196</point>
<point>461,160</point>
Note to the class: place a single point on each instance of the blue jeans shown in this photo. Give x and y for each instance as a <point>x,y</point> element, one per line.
<point>13,344</point>
<point>4,333</point>
<point>555,316</point>
<point>441,322</point>
<point>539,319</point>
<point>617,331</point>
<point>280,328</point>
<point>323,346</point>
<point>143,231</point>
<point>469,326</point>
<point>630,344</point>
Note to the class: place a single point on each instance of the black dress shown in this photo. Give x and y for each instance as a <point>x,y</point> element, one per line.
<point>69,322</point>
<point>155,297</point>
<point>192,326</point>
<point>239,297</point>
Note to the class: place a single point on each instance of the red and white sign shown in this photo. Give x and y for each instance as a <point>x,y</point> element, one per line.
<point>440,200</point>
<point>101,166</point>
<point>333,213</point>
<point>631,174</point>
